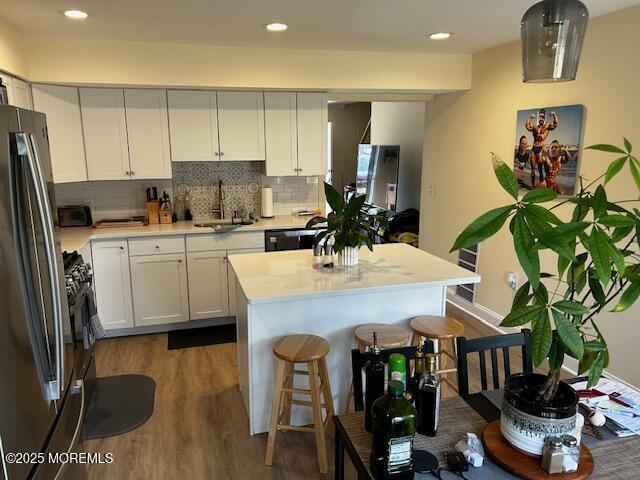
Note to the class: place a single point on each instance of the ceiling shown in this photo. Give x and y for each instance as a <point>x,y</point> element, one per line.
<point>374,25</point>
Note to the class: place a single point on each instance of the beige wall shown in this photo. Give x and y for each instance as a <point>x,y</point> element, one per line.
<point>12,53</point>
<point>463,127</point>
<point>402,123</point>
<point>137,63</point>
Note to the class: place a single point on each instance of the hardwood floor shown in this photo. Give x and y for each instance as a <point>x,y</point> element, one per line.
<point>199,429</point>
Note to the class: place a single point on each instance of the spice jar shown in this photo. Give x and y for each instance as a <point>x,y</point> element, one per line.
<point>552,455</point>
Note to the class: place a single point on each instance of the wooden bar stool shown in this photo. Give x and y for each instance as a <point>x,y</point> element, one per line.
<point>441,330</point>
<point>312,350</point>
<point>389,336</point>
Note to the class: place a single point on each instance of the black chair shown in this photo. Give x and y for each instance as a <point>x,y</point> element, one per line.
<point>481,345</point>
<point>359,360</point>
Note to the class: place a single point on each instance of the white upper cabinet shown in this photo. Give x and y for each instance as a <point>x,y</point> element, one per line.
<point>312,133</point>
<point>193,125</point>
<point>105,133</point>
<point>281,134</point>
<point>62,108</point>
<point>18,91</point>
<point>148,133</point>
<point>241,125</point>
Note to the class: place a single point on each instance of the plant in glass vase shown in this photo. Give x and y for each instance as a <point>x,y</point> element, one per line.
<point>597,268</point>
<point>350,227</point>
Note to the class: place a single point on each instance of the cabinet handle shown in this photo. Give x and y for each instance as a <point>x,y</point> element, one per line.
<point>157,247</point>
<point>221,154</point>
<point>127,173</point>
<point>179,261</point>
<point>216,154</point>
<point>122,249</point>
<point>132,172</point>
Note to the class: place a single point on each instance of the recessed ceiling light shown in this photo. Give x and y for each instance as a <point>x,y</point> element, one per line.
<point>76,14</point>
<point>276,27</point>
<point>440,35</point>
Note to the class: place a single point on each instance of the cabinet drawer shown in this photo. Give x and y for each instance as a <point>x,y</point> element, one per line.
<point>225,241</point>
<point>156,245</point>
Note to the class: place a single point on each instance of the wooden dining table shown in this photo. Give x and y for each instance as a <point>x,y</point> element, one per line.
<point>614,458</point>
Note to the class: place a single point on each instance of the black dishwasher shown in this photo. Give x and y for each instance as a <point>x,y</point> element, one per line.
<point>289,239</point>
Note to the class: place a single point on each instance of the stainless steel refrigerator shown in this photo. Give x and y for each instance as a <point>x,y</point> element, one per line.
<point>41,403</point>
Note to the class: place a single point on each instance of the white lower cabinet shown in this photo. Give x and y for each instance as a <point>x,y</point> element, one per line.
<point>112,283</point>
<point>208,297</point>
<point>159,286</point>
<point>233,310</point>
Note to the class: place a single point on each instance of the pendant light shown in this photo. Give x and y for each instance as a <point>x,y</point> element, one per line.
<point>552,32</point>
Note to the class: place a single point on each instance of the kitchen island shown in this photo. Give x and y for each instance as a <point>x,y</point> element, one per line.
<point>279,293</point>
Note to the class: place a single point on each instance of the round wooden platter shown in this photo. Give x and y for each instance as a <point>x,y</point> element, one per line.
<point>526,466</point>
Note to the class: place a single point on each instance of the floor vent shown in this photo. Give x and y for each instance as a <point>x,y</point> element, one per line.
<point>468,259</point>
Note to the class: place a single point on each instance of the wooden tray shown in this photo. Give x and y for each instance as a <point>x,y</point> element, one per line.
<point>525,466</point>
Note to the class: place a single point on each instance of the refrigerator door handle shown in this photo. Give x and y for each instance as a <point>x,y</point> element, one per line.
<point>28,146</point>
<point>78,387</point>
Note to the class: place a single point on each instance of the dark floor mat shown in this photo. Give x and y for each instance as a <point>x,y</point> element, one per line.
<point>199,337</point>
<point>118,405</point>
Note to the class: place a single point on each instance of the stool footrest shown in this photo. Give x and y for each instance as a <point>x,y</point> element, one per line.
<point>301,391</point>
<point>295,428</point>
<point>306,403</point>
<point>301,372</point>
<point>447,370</point>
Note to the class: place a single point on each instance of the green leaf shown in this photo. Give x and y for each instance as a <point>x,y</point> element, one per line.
<point>522,297</point>
<point>522,316</point>
<point>568,333</point>
<point>567,231</point>
<point>316,221</point>
<point>596,370</point>
<point>540,195</point>
<point>571,307</point>
<point>627,145</point>
<point>586,361</point>
<point>354,206</point>
<point>633,166</point>
<point>617,221</point>
<point>541,214</point>
<point>594,346</point>
<point>563,263</point>
<point>629,296</point>
<point>598,246</point>
<point>597,292</point>
<point>621,233</point>
<point>482,227</point>
<point>334,199</point>
<point>614,168</point>
<point>606,148</point>
<point>599,202</point>
<point>527,256</point>
<point>505,176</point>
<point>541,337</point>
<point>556,352</point>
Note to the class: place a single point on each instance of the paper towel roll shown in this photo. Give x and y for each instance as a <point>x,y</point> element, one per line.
<point>267,202</point>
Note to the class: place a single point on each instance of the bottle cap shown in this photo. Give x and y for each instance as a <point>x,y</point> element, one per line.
<point>555,443</point>
<point>569,441</point>
<point>395,388</point>
<point>419,352</point>
<point>397,362</point>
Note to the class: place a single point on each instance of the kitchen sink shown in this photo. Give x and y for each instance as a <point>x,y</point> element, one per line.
<point>222,223</point>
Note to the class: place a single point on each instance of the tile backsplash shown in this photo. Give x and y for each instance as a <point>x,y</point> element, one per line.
<point>242,184</point>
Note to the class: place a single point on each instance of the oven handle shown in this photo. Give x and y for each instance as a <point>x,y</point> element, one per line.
<point>37,179</point>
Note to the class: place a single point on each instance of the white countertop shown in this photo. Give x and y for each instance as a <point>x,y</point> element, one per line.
<point>74,238</point>
<point>280,276</point>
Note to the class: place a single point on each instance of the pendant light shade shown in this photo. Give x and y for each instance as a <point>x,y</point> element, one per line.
<point>552,32</point>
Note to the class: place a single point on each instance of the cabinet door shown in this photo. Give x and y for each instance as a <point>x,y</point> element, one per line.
<point>193,125</point>
<point>105,133</point>
<point>148,133</point>
<point>241,125</point>
<point>62,108</point>
<point>281,136</point>
<point>20,94</point>
<point>159,286</point>
<point>112,283</point>
<point>208,295</point>
<point>312,133</point>
<point>232,278</point>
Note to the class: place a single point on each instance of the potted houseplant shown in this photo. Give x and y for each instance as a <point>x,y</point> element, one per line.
<point>598,268</point>
<point>350,227</point>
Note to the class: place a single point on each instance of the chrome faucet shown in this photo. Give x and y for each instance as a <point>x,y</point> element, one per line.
<point>220,209</point>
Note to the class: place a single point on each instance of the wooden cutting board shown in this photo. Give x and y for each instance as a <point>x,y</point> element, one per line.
<point>526,466</point>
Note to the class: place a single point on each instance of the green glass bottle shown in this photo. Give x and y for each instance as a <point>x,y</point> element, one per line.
<point>394,426</point>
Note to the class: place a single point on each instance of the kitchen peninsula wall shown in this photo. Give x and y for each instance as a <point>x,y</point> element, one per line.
<point>242,185</point>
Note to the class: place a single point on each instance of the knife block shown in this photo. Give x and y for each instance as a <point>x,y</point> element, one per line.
<point>153,212</point>
<point>166,216</point>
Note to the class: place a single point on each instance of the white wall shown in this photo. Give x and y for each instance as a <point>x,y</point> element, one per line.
<point>462,128</point>
<point>402,123</point>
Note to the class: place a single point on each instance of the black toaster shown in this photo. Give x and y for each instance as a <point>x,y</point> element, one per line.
<point>74,216</point>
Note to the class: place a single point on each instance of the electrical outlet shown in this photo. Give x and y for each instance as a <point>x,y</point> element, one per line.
<point>512,280</point>
<point>430,191</point>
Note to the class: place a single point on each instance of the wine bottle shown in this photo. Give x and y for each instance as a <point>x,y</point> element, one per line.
<point>394,426</point>
<point>374,381</point>
<point>412,384</point>
<point>428,399</point>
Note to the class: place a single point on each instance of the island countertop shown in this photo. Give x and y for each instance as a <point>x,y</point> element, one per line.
<point>280,276</point>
